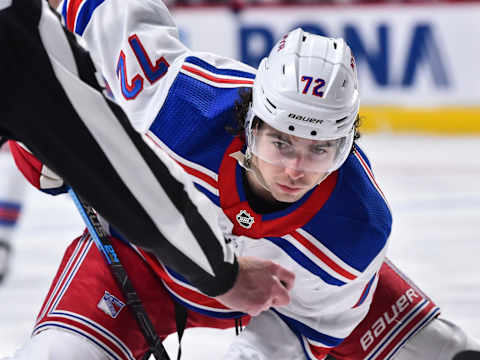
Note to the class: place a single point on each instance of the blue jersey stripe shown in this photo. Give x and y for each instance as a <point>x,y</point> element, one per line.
<point>365,292</point>
<point>304,261</point>
<point>310,333</point>
<point>232,72</point>
<point>213,198</point>
<point>85,14</point>
<point>64,10</point>
<point>176,275</point>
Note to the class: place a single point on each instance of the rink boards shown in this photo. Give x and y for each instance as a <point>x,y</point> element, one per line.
<point>417,63</point>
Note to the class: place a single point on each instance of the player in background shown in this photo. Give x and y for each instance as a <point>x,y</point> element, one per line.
<point>299,149</point>
<point>12,194</point>
<point>54,104</point>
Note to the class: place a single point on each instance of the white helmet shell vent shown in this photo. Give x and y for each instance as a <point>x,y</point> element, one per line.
<point>307,87</point>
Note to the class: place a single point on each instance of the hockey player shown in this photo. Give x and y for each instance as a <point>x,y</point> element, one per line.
<point>12,193</point>
<point>294,189</point>
<point>54,105</point>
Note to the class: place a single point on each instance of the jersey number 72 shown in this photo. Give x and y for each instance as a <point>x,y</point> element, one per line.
<point>130,89</point>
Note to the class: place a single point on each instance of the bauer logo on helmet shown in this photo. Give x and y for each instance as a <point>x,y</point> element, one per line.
<point>305,118</point>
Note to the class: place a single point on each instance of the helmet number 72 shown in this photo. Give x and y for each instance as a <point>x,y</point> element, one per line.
<point>316,89</point>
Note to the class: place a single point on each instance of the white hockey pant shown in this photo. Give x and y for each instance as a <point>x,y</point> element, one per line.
<point>53,344</point>
<point>267,337</point>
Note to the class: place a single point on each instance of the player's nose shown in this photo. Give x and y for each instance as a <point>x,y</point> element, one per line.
<point>294,174</point>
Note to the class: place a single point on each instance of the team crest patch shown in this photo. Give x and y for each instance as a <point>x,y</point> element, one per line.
<point>110,305</point>
<point>245,219</point>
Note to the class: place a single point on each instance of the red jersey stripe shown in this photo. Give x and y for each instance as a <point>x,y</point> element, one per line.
<point>183,292</point>
<point>198,174</point>
<point>194,172</point>
<point>369,172</point>
<point>72,12</point>
<point>322,256</point>
<point>216,79</point>
<point>319,352</point>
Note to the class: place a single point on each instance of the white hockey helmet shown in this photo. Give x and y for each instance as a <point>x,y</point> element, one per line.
<point>306,88</point>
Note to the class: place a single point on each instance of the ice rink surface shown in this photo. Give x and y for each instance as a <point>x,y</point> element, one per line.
<point>432,184</point>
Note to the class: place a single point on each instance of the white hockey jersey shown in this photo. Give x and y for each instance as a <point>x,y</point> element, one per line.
<point>334,238</point>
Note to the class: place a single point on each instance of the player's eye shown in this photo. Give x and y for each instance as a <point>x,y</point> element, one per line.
<point>281,145</point>
<point>318,150</point>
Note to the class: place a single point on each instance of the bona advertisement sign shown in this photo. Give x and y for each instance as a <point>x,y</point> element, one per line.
<point>414,55</point>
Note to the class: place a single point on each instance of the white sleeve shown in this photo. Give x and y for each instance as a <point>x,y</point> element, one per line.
<point>133,43</point>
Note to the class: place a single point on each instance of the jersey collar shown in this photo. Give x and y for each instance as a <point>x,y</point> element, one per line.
<point>249,223</point>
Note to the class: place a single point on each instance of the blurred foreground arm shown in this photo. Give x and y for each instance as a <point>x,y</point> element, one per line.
<point>54,105</point>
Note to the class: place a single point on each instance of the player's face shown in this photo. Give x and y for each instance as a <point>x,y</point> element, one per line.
<point>286,180</point>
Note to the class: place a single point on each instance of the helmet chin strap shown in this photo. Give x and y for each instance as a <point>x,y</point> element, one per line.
<point>245,161</point>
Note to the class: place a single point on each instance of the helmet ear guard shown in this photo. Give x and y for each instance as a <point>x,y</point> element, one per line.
<point>307,87</point>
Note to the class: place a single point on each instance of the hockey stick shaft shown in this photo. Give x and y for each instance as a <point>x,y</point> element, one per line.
<point>103,243</point>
